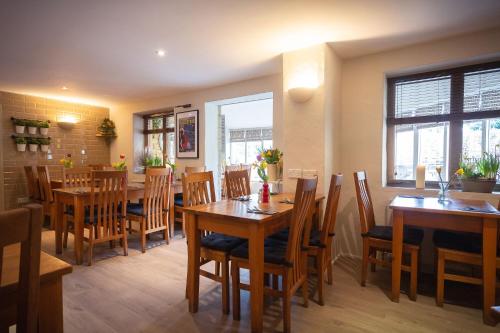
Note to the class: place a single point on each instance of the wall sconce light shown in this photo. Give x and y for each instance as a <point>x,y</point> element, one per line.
<point>301,94</point>
<point>66,121</point>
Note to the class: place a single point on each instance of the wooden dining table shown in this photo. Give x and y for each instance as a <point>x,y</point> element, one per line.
<point>230,217</point>
<point>51,302</point>
<point>475,216</point>
<point>79,197</point>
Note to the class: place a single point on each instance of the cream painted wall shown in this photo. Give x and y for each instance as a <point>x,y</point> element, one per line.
<point>123,115</point>
<point>363,116</point>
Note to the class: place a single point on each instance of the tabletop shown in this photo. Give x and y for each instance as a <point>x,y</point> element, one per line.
<point>467,207</point>
<point>238,209</point>
<point>87,190</point>
<point>49,266</point>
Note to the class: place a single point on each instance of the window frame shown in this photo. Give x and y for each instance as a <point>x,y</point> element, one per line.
<point>164,130</point>
<point>245,139</point>
<point>455,118</point>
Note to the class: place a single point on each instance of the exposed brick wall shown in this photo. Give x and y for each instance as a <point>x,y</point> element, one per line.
<point>64,141</point>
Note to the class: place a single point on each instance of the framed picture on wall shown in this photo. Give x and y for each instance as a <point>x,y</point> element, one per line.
<point>188,137</point>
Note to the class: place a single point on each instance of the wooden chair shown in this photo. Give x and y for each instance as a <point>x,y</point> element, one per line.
<point>379,238</point>
<point>237,183</point>
<point>459,247</point>
<point>198,189</point>
<point>73,177</point>
<point>105,218</point>
<point>178,200</point>
<point>24,226</point>
<point>98,167</point>
<point>287,259</point>
<point>152,213</point>
<point>46,194</point>
<point>33,184</point>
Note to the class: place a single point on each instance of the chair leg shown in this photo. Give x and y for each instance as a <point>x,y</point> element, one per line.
<point>235,276</point>
<point>225,286</point>
<point>373,253</point>
<point>413,274</point>
<point>440,278</point>
<point>364,264</point>
<point>91,246</point>
<point>166,236</point>
<point>217,267</point>
<point>276,281</point>
<point>143,237</point>
<point>66,230</point>
<point>183,226</point>
<point>287,303</point>
<point>329,268</point>
<point>321,275</point>
<point>124,239</point>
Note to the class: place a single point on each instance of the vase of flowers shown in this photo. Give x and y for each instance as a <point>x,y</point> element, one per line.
<point>121,164</point>
<point>479,174</point>
<point>272,158</point>
<point>445,186</point>
<point>67,162</point>
<point>261,166</point>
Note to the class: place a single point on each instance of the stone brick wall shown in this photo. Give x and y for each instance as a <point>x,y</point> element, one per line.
<point>64,141</point>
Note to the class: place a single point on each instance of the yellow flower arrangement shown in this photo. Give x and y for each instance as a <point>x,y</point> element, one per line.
<point>66,161</point>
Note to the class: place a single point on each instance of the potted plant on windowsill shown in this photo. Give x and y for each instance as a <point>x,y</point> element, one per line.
<point>272,158</point>
<point>480,174</point>
<point>21,143</point>
<point>33,144</point>
<point>44,144</point>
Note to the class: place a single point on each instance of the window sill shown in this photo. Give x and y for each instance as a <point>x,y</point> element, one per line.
<point>402,189</point>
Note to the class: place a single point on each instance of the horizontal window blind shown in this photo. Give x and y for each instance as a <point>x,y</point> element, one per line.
<point>482,91</point>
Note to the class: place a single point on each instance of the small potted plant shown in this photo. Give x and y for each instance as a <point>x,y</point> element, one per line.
<point>121,164</point>
<point>21,143</point>
<point>32,126</point>
<point>44,127</point>
<point>44,144</point>
<point>20,125</point>
<point>33,144</point>
<point>480,174</point>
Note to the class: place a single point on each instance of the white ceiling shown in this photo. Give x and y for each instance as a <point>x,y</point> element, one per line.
<point>104,50</point>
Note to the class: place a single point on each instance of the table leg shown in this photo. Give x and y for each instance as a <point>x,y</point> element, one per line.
<point>256,254</point>
<point>171,213</point>
<point>78,225</point>
<point>489,268</point>
<point>51,307</point>
<point>397,253</point>
<point>193,278</point>
<point>58,223</point>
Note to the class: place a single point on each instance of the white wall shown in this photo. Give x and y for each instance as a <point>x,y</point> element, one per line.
<point>249,114</point>
<point>363,118</point>
<point>123,115</point>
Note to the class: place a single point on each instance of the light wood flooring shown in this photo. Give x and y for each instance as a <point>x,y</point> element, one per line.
<point>145,293</point>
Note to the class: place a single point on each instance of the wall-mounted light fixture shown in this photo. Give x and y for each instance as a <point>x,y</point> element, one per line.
<point>301,94</point>
<point>66,121</point>
<point>303,81</point>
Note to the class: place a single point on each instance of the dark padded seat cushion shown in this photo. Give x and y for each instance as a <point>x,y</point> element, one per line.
<point>410,235</point>
<point>178,199</point>
<point>314,240</point>
<point>221,242</point>
<point>70,211</point>
<point>274,252</point>
<point>459,241</point>
<point>135,209</point>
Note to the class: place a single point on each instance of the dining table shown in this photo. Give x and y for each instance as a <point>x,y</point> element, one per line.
<point>52,271</point>
<point>465,215</point>
<point>232,218</point>
<point>79,197</point>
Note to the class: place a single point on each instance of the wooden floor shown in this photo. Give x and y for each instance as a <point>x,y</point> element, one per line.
<point>145,293</point>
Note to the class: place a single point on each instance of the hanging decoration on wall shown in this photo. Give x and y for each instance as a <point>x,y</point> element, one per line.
<point>187,129</point>
<point>107,130</point>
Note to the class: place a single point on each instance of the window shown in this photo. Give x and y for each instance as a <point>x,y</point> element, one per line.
<point>159,138</point>
<point>244,144</point>
<point>436,118</point>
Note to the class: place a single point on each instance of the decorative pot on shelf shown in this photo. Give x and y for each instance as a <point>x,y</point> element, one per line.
<point>44,131</point>
<point>32,130</point>
<point>272,171</point>
<point>44,148</point>
<point>33,147</point>
<point>478,185</point>
<point>20,129</point>
<point>21,147</point>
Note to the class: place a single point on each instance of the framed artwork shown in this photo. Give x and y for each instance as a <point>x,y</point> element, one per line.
<point>188,137</point>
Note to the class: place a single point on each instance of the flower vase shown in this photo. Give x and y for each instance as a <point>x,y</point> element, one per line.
<point>272,171</point>
<point>442,193</point>
<point>265,193</point>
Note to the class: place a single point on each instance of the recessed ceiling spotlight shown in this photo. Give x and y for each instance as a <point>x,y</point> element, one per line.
<point>160,53</point>
<point>64,88</point>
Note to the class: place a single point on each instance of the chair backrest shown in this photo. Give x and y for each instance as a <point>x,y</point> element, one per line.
<point>237,183</point>
<point>108,202</point>
<point>190,170</point>
<point>332,203</point>
<point>77,177</point>
<point>365,204</point>
<point>300,227</point>
<point>32,180</point>
<point>198,188</point>
<point>24,226</point>
<point>247,168</point>
<point>156,196</point>
<point>46,194</point>
<point>232,167</point>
